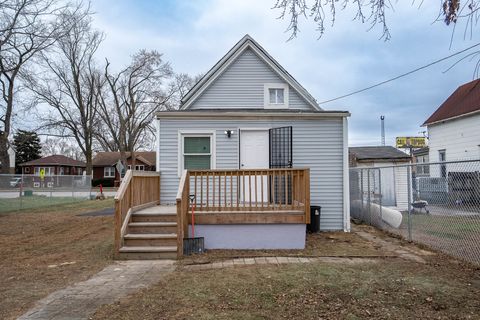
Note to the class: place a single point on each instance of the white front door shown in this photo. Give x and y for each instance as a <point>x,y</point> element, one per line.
<point>254,154</point>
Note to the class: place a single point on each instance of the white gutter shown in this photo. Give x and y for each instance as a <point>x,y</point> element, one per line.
<point>250,115</point>
<point>346,179</point>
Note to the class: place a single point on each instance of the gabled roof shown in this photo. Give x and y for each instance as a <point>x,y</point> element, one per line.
<point>465,100</point>
<point>378,153</point>
<point>245,43</point>
<point>107,159</point>
<point>55,160</point>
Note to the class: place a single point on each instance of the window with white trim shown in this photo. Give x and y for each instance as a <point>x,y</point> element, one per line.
<point>276,95</point>
<point>139,167</point>
<point>48,171</point>
<point>109,172</point>
<point>197,151</point>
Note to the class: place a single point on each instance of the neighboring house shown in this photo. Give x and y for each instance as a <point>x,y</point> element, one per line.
<point>104,165</point>
<point>248,112</point>
<point>392,181</point>
<point>454,130</point>
<point>421,156</point>
<point>54,165</point>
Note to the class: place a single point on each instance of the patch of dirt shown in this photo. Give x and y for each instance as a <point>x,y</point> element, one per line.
<point>43,251</point>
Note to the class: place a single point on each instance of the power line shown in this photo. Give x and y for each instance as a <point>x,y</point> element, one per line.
<point>400,76</point>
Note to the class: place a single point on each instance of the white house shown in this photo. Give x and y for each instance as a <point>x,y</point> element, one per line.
<point>454,130</point>
<point>248,113</point>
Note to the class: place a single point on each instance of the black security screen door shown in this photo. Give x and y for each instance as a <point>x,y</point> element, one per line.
<point>281,147</point>
<point>281,157</point>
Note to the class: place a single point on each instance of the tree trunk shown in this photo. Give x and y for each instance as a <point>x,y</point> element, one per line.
<point>4,157</point>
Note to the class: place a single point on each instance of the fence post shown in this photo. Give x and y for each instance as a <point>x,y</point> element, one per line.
<point>361,187</point>
<point>409,190</point>
<point>380,194</point>
<point>368,198</point>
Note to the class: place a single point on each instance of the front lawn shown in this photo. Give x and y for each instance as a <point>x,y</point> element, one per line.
<point>387,289</point>
<point>34,202</point>
<point>44,250</point>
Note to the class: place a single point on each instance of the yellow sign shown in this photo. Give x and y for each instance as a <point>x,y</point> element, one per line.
<point>410,142</point>
<point>42,173</point>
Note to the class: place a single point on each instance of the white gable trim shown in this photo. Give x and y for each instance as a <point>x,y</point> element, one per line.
<point>246,43</point>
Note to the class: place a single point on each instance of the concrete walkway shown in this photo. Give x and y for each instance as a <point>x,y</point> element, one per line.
<point>82,299</point>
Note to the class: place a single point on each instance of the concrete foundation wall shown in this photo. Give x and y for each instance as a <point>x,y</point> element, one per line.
<point>252,236</point>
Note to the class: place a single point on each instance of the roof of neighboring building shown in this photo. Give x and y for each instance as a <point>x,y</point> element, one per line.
<point>106,159</point>
<point>55,160</point>
<point>378,153</point>
<point>235,112</point>
<point>464,100</point>
<point>246,42</point>
<point>420,151</point>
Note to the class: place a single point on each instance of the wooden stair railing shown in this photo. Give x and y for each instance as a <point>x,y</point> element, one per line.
<point>138,190</point>
<point>183,206</point>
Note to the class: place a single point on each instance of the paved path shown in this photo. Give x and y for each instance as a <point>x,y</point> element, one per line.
<point>82,299</point>
<point>407,253</point>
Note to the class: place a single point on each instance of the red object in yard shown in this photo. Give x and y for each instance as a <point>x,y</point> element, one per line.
<point>101,189</point>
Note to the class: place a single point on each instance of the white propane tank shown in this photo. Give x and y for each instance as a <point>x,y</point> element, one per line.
<point>389,216</point>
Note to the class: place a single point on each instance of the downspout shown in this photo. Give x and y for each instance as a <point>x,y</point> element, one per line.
<point>346,180</point>
<point>157,160</point>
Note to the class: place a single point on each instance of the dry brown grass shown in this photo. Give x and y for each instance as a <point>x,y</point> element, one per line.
<point>389,289</point>
<point>33,245</point>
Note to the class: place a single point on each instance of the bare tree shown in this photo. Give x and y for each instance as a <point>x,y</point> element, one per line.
<point>27,27</point>
<point>371,11</point>
<point>128,100</point>
<point>64,146</point>
<point>69,82</point>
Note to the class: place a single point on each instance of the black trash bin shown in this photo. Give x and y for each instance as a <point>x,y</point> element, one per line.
<point>314,225</point>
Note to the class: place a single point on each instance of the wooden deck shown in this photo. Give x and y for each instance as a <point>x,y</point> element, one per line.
<point>144,229</point>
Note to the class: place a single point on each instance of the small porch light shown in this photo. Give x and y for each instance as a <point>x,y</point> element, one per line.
<point>229,133</point>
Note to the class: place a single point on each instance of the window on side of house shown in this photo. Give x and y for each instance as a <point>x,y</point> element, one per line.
<point>275,95</point>
<point>197,152</point>
<point>48,171</point>
<point>442,157</point>
<point>109,172</point>
<point>140,167</point>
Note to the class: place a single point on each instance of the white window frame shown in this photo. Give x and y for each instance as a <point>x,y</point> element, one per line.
<point>48,171</point>
<point>139,167</point>
<point>196,133</point>
<point>266,95</point>
<point>109,171</point>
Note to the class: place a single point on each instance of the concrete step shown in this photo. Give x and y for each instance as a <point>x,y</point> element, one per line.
<point>152,227</point>
<point>150,240</point>
<point>148,253</point>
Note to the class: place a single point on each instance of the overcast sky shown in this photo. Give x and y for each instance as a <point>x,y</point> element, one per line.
<point>194,35</point>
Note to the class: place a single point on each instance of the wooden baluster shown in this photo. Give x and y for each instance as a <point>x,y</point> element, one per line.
<point>261,186</point>
<point>256,189</point>
<point>238,189</point>
<point>208,191</point>
<point>201,190</point>
<point>250,190</point>
<point>231,190</point>
<point>285,173</point>
<point>225,186</point>
<point>243,187</point>
<point>213,187</point>
<point>195,191</point>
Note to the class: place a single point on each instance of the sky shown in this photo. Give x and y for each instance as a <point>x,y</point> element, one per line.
<point>193,35</point>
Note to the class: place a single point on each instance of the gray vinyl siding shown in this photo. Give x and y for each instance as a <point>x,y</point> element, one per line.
<point>242,86</point>
<point>317,144</point>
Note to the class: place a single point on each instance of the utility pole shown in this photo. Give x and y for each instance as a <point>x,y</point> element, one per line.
<point>382,120</point>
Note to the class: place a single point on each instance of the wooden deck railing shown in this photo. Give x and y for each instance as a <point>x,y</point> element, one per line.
<point>255,193</point>
<point>251,190</point>
<point>139,189</point>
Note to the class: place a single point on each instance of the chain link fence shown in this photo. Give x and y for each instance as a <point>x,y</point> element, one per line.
<point>19,192</point>
<point>436,204</point>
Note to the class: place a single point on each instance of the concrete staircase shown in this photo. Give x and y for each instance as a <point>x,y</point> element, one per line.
<point>151,234</point>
